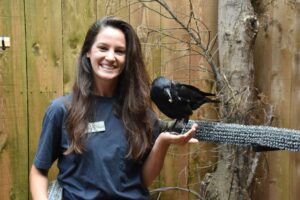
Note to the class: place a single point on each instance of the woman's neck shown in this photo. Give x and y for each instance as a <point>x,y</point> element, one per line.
<point>105,89</point>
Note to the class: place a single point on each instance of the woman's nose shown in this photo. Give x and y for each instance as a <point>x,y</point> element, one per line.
<point>110,56</point>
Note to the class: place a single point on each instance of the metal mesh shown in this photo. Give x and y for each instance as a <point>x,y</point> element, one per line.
<point>281,138</point>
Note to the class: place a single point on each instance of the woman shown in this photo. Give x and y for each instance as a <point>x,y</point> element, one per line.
<point>104,135</point>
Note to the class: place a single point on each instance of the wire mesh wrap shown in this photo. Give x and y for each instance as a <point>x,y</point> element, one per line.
<point>281,138</point>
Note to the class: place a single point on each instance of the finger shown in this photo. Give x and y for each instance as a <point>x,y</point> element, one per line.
<point>192,131</point>
<point>189,141</point>
<point>193,141</point>
<point>176,138</point>
<point>194,126</point>
<point>188,136</point>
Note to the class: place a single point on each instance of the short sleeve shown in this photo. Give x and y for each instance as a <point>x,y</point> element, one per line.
<point>49,144</point>
<point>155,125</point>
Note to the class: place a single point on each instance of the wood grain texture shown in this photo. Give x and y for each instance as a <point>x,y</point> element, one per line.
<point>116,8</point>
<point>46,37</point>
<point>44,62</point>
<point>77,17</point>
<point>13,104</point>
<point>277,66</point>
<point>203,156</point>
<point>175,65</point>
<point>294,31</point>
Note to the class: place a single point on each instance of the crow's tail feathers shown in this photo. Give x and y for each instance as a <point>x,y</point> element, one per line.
<point>196,90</point>
<point>202,101</point>
<point>208,100</point>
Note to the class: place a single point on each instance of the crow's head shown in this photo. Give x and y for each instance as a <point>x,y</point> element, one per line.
<point>162,86</point>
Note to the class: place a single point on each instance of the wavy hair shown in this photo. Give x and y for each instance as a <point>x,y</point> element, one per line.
<point>131,98</point>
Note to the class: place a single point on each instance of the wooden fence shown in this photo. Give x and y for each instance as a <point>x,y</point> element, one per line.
<point>46,37</point>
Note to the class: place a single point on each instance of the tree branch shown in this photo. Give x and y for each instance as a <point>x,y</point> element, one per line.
<point>164,189</point>
<point>194,36</point>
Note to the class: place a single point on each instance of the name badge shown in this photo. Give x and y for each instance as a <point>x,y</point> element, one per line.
<point>96,127</point>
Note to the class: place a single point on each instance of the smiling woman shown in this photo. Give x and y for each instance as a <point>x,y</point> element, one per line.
<point>107,56</point>
<point>104,135</point>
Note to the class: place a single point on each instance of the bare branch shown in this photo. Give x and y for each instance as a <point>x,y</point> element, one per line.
<point>212,43</point>
<point>191,15</point>
<point>145,5</point>
<point>194,35</point>
<point>164,189</point>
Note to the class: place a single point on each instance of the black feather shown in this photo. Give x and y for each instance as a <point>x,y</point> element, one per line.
<point>177,100</point>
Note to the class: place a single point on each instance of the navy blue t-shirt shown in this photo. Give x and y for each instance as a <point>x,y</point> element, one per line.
<point>103,171</point>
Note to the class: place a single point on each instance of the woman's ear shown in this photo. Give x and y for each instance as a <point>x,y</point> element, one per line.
<point>88,54</point>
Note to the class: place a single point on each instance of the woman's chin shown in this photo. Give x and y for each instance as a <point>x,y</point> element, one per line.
<point>107,77</point>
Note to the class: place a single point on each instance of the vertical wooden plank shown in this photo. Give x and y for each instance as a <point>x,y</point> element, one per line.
<point>113,8</point>
<point>44,61</point>
<point>13,104</point>
<point>175,65</point>
<point>145,21</point>
<point>153,56</point>
<point>175,53</point>
<point>281,72</point>
<point>294,32</point>
<point>75,14</point>
<point>101,8</point>
<point>277,52</point>
<point>263,75</point>
<point>203,157</point>
<point>147,25</point>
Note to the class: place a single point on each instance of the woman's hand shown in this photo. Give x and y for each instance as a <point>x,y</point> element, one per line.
<point>168,138</point>
<point>155,160</point>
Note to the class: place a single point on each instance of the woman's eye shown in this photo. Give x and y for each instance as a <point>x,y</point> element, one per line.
<point>102,48</point>
<point>120,52</point>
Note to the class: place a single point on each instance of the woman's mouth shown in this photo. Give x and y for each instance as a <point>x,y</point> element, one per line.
<point>109,67</point>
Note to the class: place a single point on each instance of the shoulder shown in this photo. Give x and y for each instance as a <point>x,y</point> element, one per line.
<point>152,115</point>
<point>58,107</point>
<point>154,122</point>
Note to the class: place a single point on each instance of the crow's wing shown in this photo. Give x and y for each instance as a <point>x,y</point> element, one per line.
<point>185,89</point>
<point>193,96</point>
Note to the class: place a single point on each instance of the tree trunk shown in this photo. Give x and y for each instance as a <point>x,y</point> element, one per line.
<point>237,28</point>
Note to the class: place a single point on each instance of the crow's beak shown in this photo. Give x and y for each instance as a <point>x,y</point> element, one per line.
<point>167,90</point>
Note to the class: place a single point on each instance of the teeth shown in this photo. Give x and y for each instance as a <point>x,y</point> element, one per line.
<point>106,66</point>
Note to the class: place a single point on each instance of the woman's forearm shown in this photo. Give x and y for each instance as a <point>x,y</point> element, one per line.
<point>154,162</point>
<point>38,184</point>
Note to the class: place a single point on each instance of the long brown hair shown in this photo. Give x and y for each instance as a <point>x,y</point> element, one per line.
<point>131,100</point>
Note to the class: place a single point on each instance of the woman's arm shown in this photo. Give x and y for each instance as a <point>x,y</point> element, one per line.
<point>155,160</point>
<point>38,183</point>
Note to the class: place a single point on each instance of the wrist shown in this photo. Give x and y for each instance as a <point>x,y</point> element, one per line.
<point>163,141</point>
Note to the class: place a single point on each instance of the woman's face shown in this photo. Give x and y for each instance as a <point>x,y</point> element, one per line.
<point>107,55</point>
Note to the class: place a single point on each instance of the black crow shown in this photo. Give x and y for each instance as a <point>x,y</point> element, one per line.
<point>177,100</point>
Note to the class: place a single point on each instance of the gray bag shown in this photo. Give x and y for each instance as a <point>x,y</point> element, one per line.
<point>54,191</point>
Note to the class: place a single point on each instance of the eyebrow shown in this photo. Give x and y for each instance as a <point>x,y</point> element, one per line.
<point>105,44</point>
